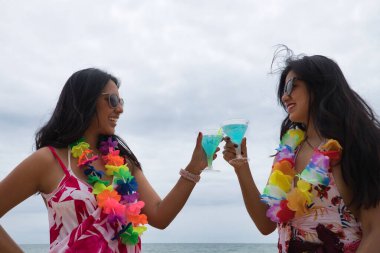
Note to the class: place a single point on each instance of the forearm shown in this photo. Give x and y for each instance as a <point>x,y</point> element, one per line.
<point>168,208</point>
<point>251,195</point>
<point>7,244</point>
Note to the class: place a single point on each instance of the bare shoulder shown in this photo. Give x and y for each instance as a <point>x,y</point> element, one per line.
<point>49,168</point>
<point>40,161</point>
<point>42,168</point>
<point>32,174</point>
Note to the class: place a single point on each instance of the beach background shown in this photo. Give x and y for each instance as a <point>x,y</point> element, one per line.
<point>183,248</point>
<point>184,66</point>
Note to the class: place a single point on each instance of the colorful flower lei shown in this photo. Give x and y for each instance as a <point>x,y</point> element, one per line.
<point>286,201</point>
<point>118,199</point>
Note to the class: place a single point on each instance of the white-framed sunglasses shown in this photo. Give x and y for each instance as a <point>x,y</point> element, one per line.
<point>114,100</point>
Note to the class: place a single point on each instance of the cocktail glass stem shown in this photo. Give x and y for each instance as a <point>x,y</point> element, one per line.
<point>238,152</point>
<point>209,162</point>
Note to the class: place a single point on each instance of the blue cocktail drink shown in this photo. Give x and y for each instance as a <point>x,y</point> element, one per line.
<point>210,142</point>
<point>235,129</point>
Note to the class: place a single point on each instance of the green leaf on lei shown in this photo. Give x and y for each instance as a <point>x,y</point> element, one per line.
<point>129,237</point>
<point>92,179</point>
<point>122,174</point>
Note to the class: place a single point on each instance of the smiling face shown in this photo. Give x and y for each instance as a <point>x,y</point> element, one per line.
<point>105,119</point>
<point>296,101</point>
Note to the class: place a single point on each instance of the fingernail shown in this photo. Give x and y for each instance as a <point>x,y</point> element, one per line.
<point>235,145</point>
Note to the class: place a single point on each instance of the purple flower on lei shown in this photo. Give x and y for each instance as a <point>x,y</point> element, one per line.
<point>284,152</point>
<point>106,145</point>
<point>131,198</point>
<point>114,218</point>
<point>272,212</point>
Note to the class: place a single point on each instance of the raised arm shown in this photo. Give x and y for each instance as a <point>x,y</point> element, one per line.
<point>162,212</point>
<point>251,195</point>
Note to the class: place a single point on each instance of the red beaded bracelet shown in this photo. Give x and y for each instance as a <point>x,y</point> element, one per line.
<point>189,176</point>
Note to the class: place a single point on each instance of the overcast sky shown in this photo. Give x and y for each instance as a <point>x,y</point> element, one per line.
<point>184,66</point>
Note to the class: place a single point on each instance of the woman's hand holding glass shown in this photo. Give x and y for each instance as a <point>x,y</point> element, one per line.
<point>230,151</point>
<point>198,160</point>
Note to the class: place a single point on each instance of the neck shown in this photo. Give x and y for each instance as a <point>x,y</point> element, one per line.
<point>313,136</point>
<point>91,139</point>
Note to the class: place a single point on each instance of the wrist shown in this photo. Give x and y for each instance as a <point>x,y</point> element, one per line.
<point>193,170</point>
<point>189,176</point>
<point>241,167</point>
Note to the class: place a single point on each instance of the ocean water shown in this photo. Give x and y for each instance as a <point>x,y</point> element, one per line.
<point>183,248</point>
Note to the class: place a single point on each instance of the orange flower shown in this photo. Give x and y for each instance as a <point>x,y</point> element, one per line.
<point>112,159</point>
<point>331,145</point>
<point>105,195</point>
<point>297,202</point>
<point>285,167</point>
<point>138,219</point>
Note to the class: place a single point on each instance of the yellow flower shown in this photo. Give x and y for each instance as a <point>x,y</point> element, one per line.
<point>281,180</point>
<point>100,187</point>
<point>297,134</point>
<point>305,187</point>
<point>139,229</point>
<point>78,149</point>
<point>297,202</point>
<point>110,169</point>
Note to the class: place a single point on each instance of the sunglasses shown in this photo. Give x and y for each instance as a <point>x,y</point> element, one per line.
<point>289,86</point>
<point>114,100</point>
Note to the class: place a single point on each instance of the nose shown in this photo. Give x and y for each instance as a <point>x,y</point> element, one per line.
<point>285,97</point>
<point>119,108</point>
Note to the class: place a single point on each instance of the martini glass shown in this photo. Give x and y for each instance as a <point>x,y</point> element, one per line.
<point>235,129</point>
<point>210,141</point>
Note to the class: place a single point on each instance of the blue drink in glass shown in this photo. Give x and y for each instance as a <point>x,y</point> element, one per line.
<point>235,129</point>
<point>210,141</point>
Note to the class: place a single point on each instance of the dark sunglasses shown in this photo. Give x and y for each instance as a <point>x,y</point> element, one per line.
<point>114,100</point>
<point>289,86</point>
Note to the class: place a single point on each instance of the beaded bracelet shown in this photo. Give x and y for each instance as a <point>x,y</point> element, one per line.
<point>189,176</point>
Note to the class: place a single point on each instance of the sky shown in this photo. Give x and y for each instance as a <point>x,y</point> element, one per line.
<point>184,66</point>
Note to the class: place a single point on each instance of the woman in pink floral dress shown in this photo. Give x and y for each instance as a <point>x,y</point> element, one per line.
<point>97,196</point>
<point>324,189</point>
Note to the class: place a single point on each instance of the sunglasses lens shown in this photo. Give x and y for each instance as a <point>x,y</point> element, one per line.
<point>114,100</point>
<point>289,87</point>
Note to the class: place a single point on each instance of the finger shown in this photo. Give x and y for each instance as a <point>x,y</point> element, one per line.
<point>244,146</point>
<point>230,145</point>
<point>199,140</point>
<point>230,150</point>
<point>228,157</point>
<point>227,139</point>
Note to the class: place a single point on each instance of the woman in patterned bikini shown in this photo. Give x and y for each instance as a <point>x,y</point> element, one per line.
<point>324,189</point>
<point>97,196</point>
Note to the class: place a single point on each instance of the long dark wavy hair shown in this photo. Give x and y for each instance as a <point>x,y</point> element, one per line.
<point>75,108</point>
<point>338,112</point>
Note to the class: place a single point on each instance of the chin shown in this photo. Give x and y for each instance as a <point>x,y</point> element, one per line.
<point>108,132</point>
<point>295,119</point>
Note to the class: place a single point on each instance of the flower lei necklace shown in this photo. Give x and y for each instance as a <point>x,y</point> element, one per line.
<point>117,199</point>
<point>285,201</point>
